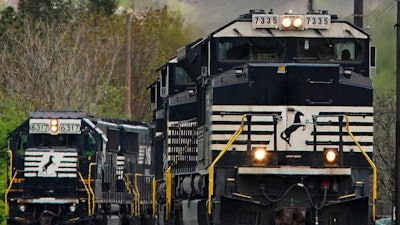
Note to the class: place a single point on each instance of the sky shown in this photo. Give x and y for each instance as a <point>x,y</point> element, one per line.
<point>211,14</point>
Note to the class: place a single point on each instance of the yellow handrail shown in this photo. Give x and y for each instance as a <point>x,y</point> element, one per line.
<point>211,168</point>
<point>168,191</point>
<point>134,211</point>
<point>374,173</point>
<point>90,187</point>
<point>88,192</point>
<point>8,190</point>
<point>137,195</point>
<point>11,163</point>
<point>153,197</point>
<point>130,191</point>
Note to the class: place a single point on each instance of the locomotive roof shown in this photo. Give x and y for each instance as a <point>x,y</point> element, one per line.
<point>58,114</point>
<point>242,26</point>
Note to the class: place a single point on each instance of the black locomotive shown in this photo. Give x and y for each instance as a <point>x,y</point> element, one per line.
<point>267,120</point>
<point>70,168</point>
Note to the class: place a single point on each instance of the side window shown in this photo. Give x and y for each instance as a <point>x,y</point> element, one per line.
<point>181,76</point>
<point>90,147</point>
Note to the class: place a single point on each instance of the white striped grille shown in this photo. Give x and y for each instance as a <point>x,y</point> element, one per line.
<point>226,120</point>
<point>50,163</point>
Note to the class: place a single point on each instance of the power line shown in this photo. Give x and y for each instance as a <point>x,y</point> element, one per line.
<point>377,6</point>
<point>381,15</point>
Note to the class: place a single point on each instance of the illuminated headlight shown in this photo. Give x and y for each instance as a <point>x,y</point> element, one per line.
<point>286,22</point>
<point>292,22</point>
<point>72,208</point>
<point>259,156</point>
<point>331,156</point>
<point>53,125</point>
<point>22,208</point>
<point>297,22</point>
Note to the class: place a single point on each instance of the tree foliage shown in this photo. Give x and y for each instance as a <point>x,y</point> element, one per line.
<point>384,139</point>
<point>106,7</point>
<point>10,116</point>
<point>81,64</point>
<point>47,10</point>
<point>53,67</point>
<point>163,34</point>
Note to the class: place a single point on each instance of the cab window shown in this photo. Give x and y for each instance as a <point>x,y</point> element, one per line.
<point>250,49</point>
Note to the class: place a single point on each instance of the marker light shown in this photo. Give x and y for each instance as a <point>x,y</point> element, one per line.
<point>260,154</point>
<point>53,125</point>
<point>331,157</point>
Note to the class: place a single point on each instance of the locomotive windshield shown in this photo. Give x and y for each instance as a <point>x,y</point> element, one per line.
<point>262,49</point>
<point>253,49</point>
<point>336,50</point>
<point>61,140</point>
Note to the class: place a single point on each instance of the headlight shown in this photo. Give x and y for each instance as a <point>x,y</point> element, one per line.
<point>286,22</point>
<point>292,22</point>
<point>22,208</point>
<point>53,125</point>
<point>297,22</point>
<point>72,208</point>
<point>331,157</point>
<point>259,156</point>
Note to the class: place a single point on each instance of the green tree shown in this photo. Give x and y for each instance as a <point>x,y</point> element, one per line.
<point>9,19</point>
<point>59,67</point>
<point>106,7</point>
<point>11,114</point>
<point>156,34</point>
<point>47,10</point>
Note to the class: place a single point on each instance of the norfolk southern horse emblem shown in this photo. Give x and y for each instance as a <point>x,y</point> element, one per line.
<point>44,168</point>
<point>285,135</point>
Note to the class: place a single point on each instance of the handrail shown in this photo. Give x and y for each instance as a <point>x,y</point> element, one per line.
<point>7,191</point>
<point>90,187</point>
<point>11,164</point>
<point>168,175</point>
<point>130,191</point>
<point>168,191</point>
<point>137,191</point>
<point>153,196</point>
<point>137,199</point>
<point>135,194</point>
<point>211,168</point>
<point>371,163</point>
<point>87,190</point>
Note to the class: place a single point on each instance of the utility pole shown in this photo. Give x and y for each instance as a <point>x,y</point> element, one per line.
<point>128,66</point>
<point>397,163</point>
<point>358,13</point>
